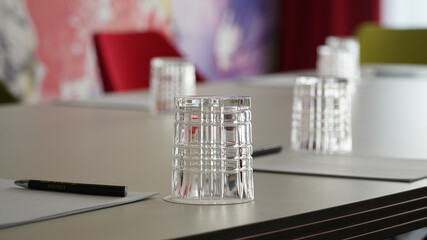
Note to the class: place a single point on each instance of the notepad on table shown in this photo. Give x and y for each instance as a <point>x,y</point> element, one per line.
<point>19,206</point>
<point>344,166</point>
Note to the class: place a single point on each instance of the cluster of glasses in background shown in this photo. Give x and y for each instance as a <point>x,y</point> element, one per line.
<point>321,117</point>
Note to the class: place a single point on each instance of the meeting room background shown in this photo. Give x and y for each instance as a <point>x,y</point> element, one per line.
<point>47,49</point>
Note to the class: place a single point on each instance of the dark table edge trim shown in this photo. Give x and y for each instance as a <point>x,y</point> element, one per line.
<point>266,228</point>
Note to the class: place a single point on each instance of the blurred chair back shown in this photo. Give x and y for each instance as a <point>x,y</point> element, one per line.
<point>124,58</point>
<point>382,45</point>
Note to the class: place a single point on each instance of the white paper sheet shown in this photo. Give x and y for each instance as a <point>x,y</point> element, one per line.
<point>19,205</point>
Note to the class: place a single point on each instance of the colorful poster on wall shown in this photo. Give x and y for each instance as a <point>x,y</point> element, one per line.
<point>47,50</point>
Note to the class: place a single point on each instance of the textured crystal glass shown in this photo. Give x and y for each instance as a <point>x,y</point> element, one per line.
<point>321,115</point>
<point>339,57</point>
<point>212,161</point>
<point>170,77</point>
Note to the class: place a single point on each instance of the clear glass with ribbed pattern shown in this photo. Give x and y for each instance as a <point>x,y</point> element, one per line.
<point>212,161</point>
<point>170,77</point>
<point>340,58</point>
<point>321,115</point>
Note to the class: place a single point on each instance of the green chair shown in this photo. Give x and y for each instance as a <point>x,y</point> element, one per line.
<point>5,95</point>
<point>382,45</point>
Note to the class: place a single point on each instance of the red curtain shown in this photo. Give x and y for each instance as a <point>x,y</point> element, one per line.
<point>306,24</point>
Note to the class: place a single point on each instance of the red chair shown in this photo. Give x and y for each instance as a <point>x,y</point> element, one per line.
<point>124,58</point>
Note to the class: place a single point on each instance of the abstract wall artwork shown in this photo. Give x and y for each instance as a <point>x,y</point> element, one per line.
<point>47,50</point>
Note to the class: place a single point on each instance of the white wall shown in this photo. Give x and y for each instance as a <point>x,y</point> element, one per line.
<point>404,13</point>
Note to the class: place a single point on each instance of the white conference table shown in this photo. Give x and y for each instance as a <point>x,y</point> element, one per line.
<point>134,148</point>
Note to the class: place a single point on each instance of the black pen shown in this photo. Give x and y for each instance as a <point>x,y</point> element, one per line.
<point>68,187</point>
<point>267,149</point>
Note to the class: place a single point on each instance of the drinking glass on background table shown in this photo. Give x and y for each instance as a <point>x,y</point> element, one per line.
<point>212,161</point>
<point>350,44</point>
<point>321,115</point>
<point>170,77</point>
<point>339,57</point>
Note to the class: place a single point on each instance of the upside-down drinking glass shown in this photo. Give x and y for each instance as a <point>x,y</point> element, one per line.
<point>212,161</point>
<point>321,115</point>
<point>170,77</point>
<point>340,58</point>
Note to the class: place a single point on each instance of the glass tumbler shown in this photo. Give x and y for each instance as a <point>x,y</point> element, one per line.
<point>321,115</point>
<point>339,57</point>
<point>212,161</point>
<point>170,77</point>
